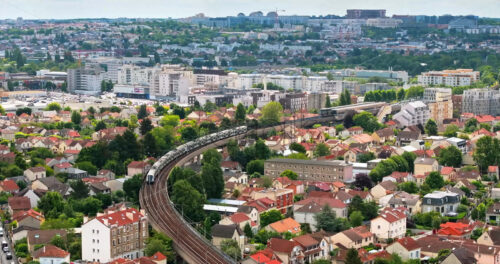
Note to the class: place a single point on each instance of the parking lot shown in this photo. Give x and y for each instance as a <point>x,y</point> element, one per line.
<point>3,255</point>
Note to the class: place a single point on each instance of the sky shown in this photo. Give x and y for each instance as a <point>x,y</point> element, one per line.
<point>42,9</point>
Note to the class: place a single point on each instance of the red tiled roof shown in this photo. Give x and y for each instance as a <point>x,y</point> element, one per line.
<point>50,251</point>
<point>158,256</point>
<point>287,224</point>
<point>281,245</point>
<point>492,169</point>
<point>447,170</point>
<point>19,203</point>
<point>408,243</point>
<point>137,164</point>
<point>63,165</point>
<point>19,216</point>
<point>454,229</point>
<point>391,214</point>
<point>9,185</point>
<point>239,217</point>
<point>121,218</point>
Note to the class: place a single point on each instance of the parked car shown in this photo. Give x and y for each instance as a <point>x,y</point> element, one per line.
<point>9,255</point>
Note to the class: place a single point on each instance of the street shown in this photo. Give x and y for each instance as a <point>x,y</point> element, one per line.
<point>3,256</point>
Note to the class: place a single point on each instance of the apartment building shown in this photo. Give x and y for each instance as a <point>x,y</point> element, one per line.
<point>85,80</point>
<point>283,198</point>
<point>459,77</point>
<point>294,102</point>
<point>440,103</point>
<point>391,223</point>
<point>481,102</point>
<point>116,234</point>
<point>445,203</point>
<point>413,113</point>
<point>311,170</point>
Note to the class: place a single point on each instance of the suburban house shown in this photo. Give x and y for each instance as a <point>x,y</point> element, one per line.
<point>9,186</point>
<point>406,248</point>
<point>52,255</point>
<point>455,230</point>
<point>357,237</point>
<point>460,256</point>
<point>287,251</point>
<point>445,203</point>
<point>37,237</point>
<point>52,184</point>
<point>490,237</point>
<point>382,189</point>
<point>29,218</point>
<point>239,219</point>
<point>425,165</point>
<point>391,223</point>
<point>493,213</point>
<point>285,225</point>
<point>18,204</point>
<point>305,211</point>
<point>223,232</point>
<point>35,173</point>
<point>137,167</point>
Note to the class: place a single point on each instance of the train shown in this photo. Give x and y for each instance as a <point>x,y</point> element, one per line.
<point>189,147</point>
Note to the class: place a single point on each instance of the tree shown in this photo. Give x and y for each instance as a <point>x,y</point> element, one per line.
<point>58,241</point>
<point>352,257</point>
<point>53,107</point>
<point>80,190</point>
<point>365,157</point>
<point>248,231</point>
<point>261,150</point>
<point>321,150</point>
<point>23,110</point>
<point>149,145</point>
<point>367,121</point>
<point>451,130</point>
<point>146,126</point>
<point>345,98</point>
<point>471,125</point>
<point>211,156</point>
<point>450,156</point>
<point>241,113</point>
<point>327,220</point>
<point>188,134</point>
<point>51,204</point>
<point>143,112</point>
<point>76,117</point>
<point>409,187</point>
<point>289,174</point>
<point>266,181</point>
<point>431,127</point>
<point>328,103</point>
<point>297,147</point>
<point>434,180</point>
<point>170,120</point>
<point>362,181</point>
<point>87,166</point>
<point>487,153</point>
<point>231,248</point>
<point>356,218</point>
<point>154,245</point>
<point>100,126</point>
<point>131,187</point>
<point>255,166</point>
<point>272,113</point>
<point>188,200</point>
<point>212,180</point>
<point>410,158</point>
<point>270,217</point>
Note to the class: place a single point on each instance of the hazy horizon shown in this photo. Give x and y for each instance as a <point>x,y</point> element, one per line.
<point>69,9</point>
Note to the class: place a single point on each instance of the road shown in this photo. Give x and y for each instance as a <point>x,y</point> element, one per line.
<point>3,256</point>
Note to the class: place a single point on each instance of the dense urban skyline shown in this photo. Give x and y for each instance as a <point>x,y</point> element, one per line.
<point>37,9</point>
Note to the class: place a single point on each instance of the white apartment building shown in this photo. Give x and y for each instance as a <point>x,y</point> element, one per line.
<point>413,113</point>
<point>247,81</point>
<point>437,94</point>
<point>481,102</point>
<point>459,77</point>
<point>135,75</point>
<point>85,81</point>
<point>117,234</point>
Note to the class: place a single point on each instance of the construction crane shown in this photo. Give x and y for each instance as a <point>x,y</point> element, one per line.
<point>276,22</point>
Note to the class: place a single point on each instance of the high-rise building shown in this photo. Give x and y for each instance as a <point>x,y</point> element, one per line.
<point>459,77</point>
<point>439,101</point>
<point>481,102</point>
<point>365,13</point>
<point>85,80</point>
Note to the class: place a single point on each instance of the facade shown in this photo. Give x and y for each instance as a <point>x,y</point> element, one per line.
<point>283,197</point>
<point>406,248</point>
<point>50,254</point>
<point>425,165</point>
<point>34,173</point>
<point>120,234</point>
<point>365,13</point>
<point>440,103</point>
<point>311,170</point>
<point>223,232</point>
<point>446,203</point>
<point>481,102</point>
<point>357,237</point>
<point>85,81</point>
<point>459,77</point>
<point>412,114</point>
<point>391,223</point>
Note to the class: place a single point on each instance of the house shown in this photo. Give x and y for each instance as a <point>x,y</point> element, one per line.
<point>406,248</point>
<point>51,254</point>
<point>493,214</point>
<point>468,175</point>
<point>455,230</point>
<point>34,198</point>
<point>305,211</point>
<point>390,224</point>
<point>365,195</point>
<point>137,167</point>
<point>115,234</point>
<point>283,198</point>
<point>52,184</point>
<point>490,237</point>
<point>9,186</point>
<point>383,135</point>
<point>287,251</point>
<point>448,173</point>
<point>398,177</point>
<point>382,189</point>
<point>35,173</point>
<point>311,248</point>
<point>446,203</point>
<point>251,212</point>
<point>352,155</point>
<point>284,225</point>
<point>223,232</point>
<point>404,138</point>
<point>493,172</point>
<point>106,174</point>
<point>411,202</point>
<point>29,218</point>
<point>38,237</point>
<point>18,204</point>
<point>460,256</point>
<point>357,237</point>
<point>98,187</point>
<point>239,219</point>
<point>424,165</point>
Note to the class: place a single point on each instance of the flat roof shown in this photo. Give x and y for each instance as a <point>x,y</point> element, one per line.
<point>311,162</point>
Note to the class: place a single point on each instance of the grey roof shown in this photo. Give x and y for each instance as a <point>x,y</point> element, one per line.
<point>464,256</point>
<point>388,185</point>
<point>404,198</point>
<point>440,198</point>
<point>311,207</point>
<point>53,184</point>
<point>310,162</point>
<point>44,236</point>
<point>225,231</point>
<point>426,161</point>
<point>245,209</point>
<point>408,135</point>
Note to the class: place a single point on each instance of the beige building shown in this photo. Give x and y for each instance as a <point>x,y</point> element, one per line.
<point>382,189</point>
<point>406,248</point>
<point>310,170</point>
<point>354,238</point>
<point>224,232</point>
<point>35,173</point>
<point>424,165</point>
<point>391,223</point>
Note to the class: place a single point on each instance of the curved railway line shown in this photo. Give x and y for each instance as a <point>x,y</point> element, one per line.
<point>163,216</point>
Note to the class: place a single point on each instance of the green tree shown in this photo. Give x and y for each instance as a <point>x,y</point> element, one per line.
<point>76,117</point>
<point>255,166</point>
<point>431,127</point>
<point>327,220</point>
<point>146,126</point>
<point>328,103</point>
<point>131,187</point>
<point>149,145</point>
<point>367,121</point>
<point>356,218</point>
<point>154,245</point>
<point>212,180</point>
<point>53,107</point>
<point>51,205</point>
<point>231,248</point>
<point>100,126</point>
<point>345,98</point>
<point>410,158</point>
<point>450,156</point>
<point>80,190</point>
<point>270,217</point>
<point>272,113</point>
<point>434,180</point>
<point>188,134</point>
<point>289,174</point>
<point>409,187</point>
<point>321,150</point>
<point>248,231</point>
<point>487,153</point>
<point>352,257</point>
<point>188,200</point>
<point>451,131</point>
<point>365,157</point>
<point>170,120</point>
<point>471,125</point>
<point>261,150</point>
<point>143,112</point>
<point>58,241</point>
<point>297,147</point>
<point>241,113</point>
<point>87,166</point>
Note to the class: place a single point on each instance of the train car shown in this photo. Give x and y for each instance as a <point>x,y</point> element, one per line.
<point>150,177</point>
